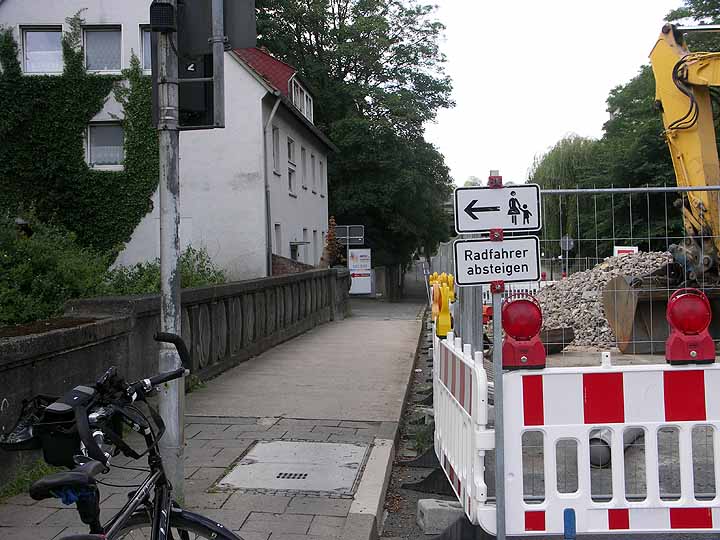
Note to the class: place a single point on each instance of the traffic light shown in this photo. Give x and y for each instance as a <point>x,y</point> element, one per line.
<point>196,75</point>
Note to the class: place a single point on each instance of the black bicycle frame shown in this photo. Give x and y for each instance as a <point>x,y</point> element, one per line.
<point>157,482</point>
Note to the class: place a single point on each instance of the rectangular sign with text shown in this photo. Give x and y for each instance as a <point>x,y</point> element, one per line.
<point>483,261</point>
<point>511,208</point>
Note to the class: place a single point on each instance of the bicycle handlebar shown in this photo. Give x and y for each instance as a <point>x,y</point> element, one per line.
<point>174,339</point>
<point>91,442</point>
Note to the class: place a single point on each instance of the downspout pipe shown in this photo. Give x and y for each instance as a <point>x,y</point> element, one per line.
<point>268,217</point>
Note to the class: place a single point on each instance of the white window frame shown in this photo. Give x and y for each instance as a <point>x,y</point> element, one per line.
<point>145,28</point>
<point>103,28</point>
<point>113,167</point>
<point>309,107</point>
<point>313,172</point>
<point>23,48</point>
<point>303,166</point>
<point>321,172</point>
<point>291,150</point>
<point>276,150</point>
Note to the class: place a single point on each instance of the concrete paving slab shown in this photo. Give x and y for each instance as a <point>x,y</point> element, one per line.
<point>277,523</point>
<point>320,506</point>
<point>327,526</point>
<point>274,504</point>
<point>30,533</point>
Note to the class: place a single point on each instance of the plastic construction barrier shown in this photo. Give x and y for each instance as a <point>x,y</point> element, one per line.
<point>663,481</point>
<point>462,437</point>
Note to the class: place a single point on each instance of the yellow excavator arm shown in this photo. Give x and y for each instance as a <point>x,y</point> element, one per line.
<point>683,82</point>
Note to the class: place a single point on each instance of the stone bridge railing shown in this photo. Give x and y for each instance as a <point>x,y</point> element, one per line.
<point>223,325</point>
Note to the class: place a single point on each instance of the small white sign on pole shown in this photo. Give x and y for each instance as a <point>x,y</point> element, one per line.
<point>360,266</point>
<point>511,208</point>
<point>483,261</point>
<point>624,250</point>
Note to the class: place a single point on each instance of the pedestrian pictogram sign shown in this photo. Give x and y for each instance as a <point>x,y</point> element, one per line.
<point>511,208</point>
<point>510,260</point>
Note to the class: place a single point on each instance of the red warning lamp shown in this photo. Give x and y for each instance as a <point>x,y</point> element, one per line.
<point>688,314</point>
<point>522,321</point>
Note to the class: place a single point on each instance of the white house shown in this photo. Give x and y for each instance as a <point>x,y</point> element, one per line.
<point>255,187</point>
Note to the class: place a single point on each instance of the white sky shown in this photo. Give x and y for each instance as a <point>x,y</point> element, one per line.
<point>528,72</point>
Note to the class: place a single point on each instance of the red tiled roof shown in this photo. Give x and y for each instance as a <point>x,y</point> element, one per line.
<point>274,71</point>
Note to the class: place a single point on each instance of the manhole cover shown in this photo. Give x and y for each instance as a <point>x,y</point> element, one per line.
<point>298,466</point>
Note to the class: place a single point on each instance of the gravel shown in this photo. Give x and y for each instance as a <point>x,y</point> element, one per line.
<point>577,300</point>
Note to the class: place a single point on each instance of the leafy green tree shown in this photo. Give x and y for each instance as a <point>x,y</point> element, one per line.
<point>376,70</point>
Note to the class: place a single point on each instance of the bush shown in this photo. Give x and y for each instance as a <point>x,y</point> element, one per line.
<point>196,270</point>
<point>39,273</point>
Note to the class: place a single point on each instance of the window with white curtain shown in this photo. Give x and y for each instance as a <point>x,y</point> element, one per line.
<point>105,145</point>
<point>42,50</point>
<point>103,49</point>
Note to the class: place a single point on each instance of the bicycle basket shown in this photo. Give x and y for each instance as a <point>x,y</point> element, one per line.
<point>22,435</point>
<point>57,429</point>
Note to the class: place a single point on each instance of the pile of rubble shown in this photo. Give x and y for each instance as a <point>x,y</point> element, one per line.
<point>576,302</point>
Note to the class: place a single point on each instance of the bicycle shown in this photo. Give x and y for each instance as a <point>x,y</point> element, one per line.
<point>72,432</point>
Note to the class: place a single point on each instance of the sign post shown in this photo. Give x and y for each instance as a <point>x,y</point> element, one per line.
<point>493,261</point>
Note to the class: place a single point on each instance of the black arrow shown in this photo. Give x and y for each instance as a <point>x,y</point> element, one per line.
<point>471,210</point>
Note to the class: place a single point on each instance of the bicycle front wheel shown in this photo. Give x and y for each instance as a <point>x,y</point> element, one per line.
<point>183,526</point>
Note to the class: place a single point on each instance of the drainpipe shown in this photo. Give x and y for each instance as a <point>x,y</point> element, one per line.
<point>268,217</point>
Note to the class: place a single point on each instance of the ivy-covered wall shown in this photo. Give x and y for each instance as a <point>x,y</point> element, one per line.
<point>42,146</point>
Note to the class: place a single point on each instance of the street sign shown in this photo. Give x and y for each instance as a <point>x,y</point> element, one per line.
<point>511,208</point>
<point>350,235</point>
<point>483,261</point>
<point>567,243</point>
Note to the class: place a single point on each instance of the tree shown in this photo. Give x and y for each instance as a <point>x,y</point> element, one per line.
<point>473,181</point>
<point>376,71</point>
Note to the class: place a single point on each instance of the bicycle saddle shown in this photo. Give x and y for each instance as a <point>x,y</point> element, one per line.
<point>80,477</point>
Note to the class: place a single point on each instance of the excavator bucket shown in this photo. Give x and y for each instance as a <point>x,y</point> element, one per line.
<point>635,309</point>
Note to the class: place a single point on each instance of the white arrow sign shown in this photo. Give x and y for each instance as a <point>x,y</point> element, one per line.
<point>483,261</point>
<point>511,208</point>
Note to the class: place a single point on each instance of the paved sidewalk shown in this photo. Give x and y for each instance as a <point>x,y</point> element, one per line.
<point>342,382</point>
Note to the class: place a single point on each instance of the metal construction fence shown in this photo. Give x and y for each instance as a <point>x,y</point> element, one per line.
<point>609,429</point>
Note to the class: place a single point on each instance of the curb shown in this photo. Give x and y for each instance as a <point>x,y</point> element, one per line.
<point>364,521</point>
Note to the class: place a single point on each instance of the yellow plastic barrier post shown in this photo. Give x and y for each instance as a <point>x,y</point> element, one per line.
<point>435,301</point>
<point>444,322</point>
<point>451,286</point>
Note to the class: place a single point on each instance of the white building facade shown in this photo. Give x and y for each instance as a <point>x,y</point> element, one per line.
<point>255,187</point>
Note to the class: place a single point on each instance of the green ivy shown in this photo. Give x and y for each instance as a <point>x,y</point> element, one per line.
<point>42,138</point>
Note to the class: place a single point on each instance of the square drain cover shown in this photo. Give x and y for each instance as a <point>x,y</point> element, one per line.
<point>298,466</point>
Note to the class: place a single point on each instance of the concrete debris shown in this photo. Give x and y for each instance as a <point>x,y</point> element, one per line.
<point>577,300</point>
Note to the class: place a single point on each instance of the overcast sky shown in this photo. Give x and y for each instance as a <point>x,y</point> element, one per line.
<point>528,72</point>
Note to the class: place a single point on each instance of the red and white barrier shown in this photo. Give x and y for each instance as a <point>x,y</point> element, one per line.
<point>570,403</point>
<point>460,388</point>
<point>573,404</point>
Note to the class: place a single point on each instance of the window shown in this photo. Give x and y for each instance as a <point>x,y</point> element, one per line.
<point>316,248</point>
<point>103,49</point>
<point>276,149</point>
<point>302,100</point>
<point>322,179</point>
<point>306,250</point>
<point>291,165</point>
<point>278,239</point>
<point>313,173</point>
<point>42,50</point>
<point>303,167</point>
<point>146,37</point>
<point>105,145</point>
<point>291,150</point>
<point>291,180</point>
<point>308,107</point>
